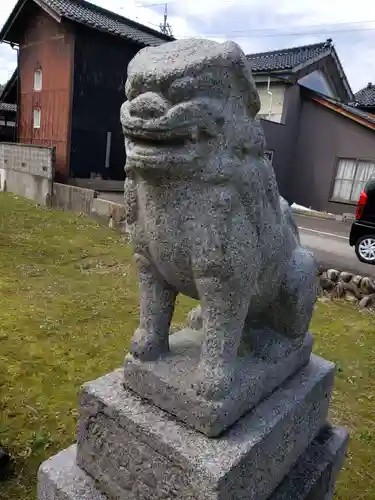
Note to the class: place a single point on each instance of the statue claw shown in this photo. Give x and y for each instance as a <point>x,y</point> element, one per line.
<point>147,346</point>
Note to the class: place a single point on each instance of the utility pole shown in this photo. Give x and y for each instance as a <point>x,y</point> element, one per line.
<point>165,27</point>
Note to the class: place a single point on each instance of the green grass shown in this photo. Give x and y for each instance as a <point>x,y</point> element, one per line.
<point>69,305</point>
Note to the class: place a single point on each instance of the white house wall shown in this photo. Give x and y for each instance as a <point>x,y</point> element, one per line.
<point>271,110</point>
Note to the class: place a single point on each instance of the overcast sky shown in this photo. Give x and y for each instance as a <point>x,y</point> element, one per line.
<point>257,25</point>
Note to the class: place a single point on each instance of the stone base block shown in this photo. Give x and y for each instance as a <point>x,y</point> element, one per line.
<point>136,451</point>
<point>312,478</point>
<point>167,382</point>
<point>314,475</point>
<point>59,478</point>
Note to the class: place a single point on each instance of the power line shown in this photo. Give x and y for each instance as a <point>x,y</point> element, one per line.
<point>261,34</point>
<point>278,34</point>
<point>327,25</point>
<point>325,28</point>
<point>347,23</point>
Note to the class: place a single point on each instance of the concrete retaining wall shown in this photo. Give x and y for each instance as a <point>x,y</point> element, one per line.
<point>76,199</point>
<point>110,213</point>
<point>27,170</point>
<point>72,198</point>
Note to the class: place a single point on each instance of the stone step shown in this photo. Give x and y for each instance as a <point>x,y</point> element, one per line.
<point>137,451</point>
<point>312,478</point>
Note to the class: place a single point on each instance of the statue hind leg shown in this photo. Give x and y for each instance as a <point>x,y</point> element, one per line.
<point>291,313</point>
<point>273,332</point>
<point>287,318</point>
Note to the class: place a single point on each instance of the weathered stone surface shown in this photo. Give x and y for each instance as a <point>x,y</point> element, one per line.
<point>346,276</point>
<point>356,280</point>
<point>366,301</point>
<point>204,211</point>
<point>134,450</point>
<point>59,478</point>
<point>169,382</point>
<point>350,298</point>
<point>367,286</point>
<point>312,477</point>
<point>326,283</point>
<point>333,275</point>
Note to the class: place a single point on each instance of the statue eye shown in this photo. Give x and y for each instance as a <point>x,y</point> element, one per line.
<point>182,90</point>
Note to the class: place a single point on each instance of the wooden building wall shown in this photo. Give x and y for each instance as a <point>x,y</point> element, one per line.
<point>100,71</point>
<point>50,46</point>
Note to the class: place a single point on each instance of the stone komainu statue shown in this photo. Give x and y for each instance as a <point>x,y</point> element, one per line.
<point>204,211</point>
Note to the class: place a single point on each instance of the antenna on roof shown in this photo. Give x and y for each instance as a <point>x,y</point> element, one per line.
<point>165,27</point>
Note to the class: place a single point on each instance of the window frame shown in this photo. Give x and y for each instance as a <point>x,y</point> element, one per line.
<point>38,70</point>
<point>272,154</point>
<point>37,126</point>
<point>334,179</point>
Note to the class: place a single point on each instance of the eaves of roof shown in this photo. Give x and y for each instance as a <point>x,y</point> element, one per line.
<point>345,110</point>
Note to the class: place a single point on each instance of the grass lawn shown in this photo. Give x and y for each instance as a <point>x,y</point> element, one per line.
<point>69,305</point>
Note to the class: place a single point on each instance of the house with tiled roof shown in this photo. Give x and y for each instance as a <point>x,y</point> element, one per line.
<point>322,148</point>
<point>364,99</point>
<point>315,66</point>
<point>69,84</point>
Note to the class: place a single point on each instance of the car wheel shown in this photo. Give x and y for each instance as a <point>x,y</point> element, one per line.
<point>365,249</point>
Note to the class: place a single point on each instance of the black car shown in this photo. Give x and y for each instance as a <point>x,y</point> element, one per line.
<point>362,234</point>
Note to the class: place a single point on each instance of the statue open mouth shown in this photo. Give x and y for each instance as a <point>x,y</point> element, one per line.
<point>145,143</point>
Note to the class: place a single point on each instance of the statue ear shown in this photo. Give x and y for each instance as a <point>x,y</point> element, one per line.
<point>244,78</point>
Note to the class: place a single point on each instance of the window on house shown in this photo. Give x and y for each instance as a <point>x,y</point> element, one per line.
<point>269,155</point>
<point>37,117</point>
<point>38,76</point>
<point>273,117</point>
<point>351,178</point>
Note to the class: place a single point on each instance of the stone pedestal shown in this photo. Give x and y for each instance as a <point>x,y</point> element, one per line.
<point>312,477</point>
<point>129,449</point>
<point>168,382</point>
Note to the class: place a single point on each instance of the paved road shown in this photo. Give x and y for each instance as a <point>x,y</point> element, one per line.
<point>329,240</point>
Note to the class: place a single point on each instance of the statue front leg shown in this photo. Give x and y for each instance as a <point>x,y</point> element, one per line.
<point>157,300</point>
<point>224,309</point>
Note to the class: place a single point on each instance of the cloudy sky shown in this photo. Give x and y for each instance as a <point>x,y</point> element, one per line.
<point>257,25</point>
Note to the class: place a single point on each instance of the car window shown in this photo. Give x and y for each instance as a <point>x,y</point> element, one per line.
<point>370,186</point>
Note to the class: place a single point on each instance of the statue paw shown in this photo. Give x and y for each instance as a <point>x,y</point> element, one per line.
<point>147,346</point>
<point>213,382</point>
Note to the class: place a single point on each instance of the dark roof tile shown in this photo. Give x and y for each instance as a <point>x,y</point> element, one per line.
<point>287,59</point>
<point>366,96</point>
<point>93,16</point>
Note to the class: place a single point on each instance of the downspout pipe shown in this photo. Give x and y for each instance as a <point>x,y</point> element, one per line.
<point>271,96</point>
